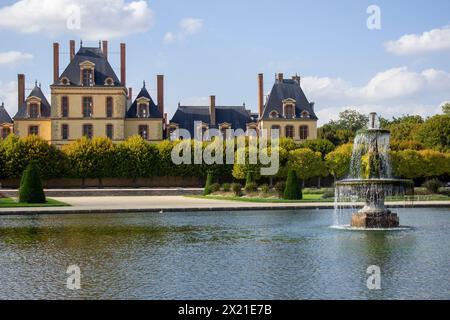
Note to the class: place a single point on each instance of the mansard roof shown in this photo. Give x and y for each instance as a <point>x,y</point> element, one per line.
<point>153,109</point>
<point>288,89</point>
<point>4,115</point>
<point>103,69</point>
<point>45,105</point>
<point>237,116</point>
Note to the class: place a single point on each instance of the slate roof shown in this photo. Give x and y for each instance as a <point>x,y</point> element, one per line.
<point>237,116</point>
<point>154,112</point>
<point>4,116</point>
<point>103,69</point>
<point>45,106</point>
<point>284,89</point>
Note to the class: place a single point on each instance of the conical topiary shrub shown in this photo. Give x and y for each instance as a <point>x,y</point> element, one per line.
<point>209,182</point>
<point>293,191</point>
<point>249,178</point>
<point>31,190</point>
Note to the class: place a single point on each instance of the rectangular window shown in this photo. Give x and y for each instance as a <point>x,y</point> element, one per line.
<point>33,130</point>
<point>143,131</point>
<point>5,132</point>
<point>304,132</point>
<point>109,131</point>
<point>88,77</point>
<point>289,130</point>
<point>142,110</point>
<point>65,107</point>
<point>65,131</point>
<point>109,107</point>
<point>87,107</point>
<point>34,110</point>
<point>88,131</point>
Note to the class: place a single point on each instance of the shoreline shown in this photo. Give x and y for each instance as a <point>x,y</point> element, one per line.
<point>158,204</point>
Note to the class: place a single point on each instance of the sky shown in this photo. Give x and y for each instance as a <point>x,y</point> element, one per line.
<point>391,57</point>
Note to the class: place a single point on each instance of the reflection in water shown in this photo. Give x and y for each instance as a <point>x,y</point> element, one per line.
<point>256,255</point>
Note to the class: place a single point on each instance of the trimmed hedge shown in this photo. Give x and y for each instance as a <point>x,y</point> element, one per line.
<point>31,190</point>
<point>293,190</point>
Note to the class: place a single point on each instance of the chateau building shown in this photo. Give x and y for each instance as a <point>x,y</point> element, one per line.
<point>6,123</point>
<point>88,99</point>
<point>286,109</point>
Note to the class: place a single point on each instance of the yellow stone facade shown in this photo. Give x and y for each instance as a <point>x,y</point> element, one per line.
<point>268,124</point>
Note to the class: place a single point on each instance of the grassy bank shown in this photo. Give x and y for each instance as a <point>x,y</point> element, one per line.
<point>12,203</point>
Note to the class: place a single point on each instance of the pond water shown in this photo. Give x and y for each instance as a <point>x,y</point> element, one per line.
<point>223,255</point>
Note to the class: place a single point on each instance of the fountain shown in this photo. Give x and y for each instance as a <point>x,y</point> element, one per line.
<point>370,179</point>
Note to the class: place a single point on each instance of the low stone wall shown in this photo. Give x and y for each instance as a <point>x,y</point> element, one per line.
<point>153,182</point>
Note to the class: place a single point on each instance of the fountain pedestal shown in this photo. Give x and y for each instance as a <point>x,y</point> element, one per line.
<point>375,219</point>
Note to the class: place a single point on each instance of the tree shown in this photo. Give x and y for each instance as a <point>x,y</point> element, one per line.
<point>293,190</point>
<point>31,190</point>
<point>209,182</point>
<point>446,108</point>
<point>323,146</point>
<point>435,133</point>
<point>352,120</point>
<point>307,164</point>
<point>240,169</point>
<point>338,161</point>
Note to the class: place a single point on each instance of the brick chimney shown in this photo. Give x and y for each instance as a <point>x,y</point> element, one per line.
<point>123,67</point>
<point>130,94</point>
<point>20,89</point>
<point>105,48</point>
<point>296,78</point>
<point>72,49</point>
<point>160,92</point>
<point>260,94</point>
<point>212,109</point>
<point>280,77</point>
<point>55,62</point>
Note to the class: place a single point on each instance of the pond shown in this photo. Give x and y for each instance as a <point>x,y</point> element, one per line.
<point>223,255</point>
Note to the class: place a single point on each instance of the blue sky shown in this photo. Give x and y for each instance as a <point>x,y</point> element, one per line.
<point>219,47</point>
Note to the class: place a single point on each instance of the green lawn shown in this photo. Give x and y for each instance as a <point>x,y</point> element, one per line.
<point>12,203</point>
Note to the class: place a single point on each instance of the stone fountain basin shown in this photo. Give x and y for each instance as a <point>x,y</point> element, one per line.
<point>382,181</point>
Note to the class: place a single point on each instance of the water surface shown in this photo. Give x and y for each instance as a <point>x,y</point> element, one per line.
<point>223,255</point>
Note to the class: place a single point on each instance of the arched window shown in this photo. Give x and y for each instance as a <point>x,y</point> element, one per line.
<point>305,114</point>
<point>289,131</point>
<point>273,114</point>
<point>304,132</point>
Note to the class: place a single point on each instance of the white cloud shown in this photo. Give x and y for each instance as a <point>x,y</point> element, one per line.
<point>187,26</point>
<point>89,19</point>
<point>429,41</point>
<point>391,92</point>
<point>13,57</point>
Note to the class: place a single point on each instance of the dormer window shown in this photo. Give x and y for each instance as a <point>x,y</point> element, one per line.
<point>34,110</point>
<point>88,77</point>
<point>65,81</point>
<point>87,69</point>
<point>143,107</point>
<point>289,108</point>
<point>109,81</point>
<point>305,114</point>
<point>274,114</point>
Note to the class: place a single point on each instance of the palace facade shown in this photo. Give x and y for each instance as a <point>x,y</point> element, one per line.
<point>89,99</point>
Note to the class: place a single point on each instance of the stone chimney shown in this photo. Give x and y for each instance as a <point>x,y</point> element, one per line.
<point>105,48</point>
<point>280,77</point>
<point>55,62</point>
<point>20,89</point>
<point>123,60</point>
<point>260,94</point>
<point>72,49</point>
<point>160,92</point>
<point>130,94</point>
<point>296,78</point>
<point>212,110</point>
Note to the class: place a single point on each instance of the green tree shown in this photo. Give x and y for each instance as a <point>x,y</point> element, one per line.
<point>209,181</point>
<point>338,161</point>
<point>408,164</point>
<point>307,164</point>
<point>323,146</point>
<point>31,190</point>
<point>240,169</point>
<point>292,190</point>
<point>446,108</point>
<point>352,120</point>
<point>435,133</point>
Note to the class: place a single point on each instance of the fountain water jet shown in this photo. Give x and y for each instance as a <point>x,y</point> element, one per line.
<point>370,179</point>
